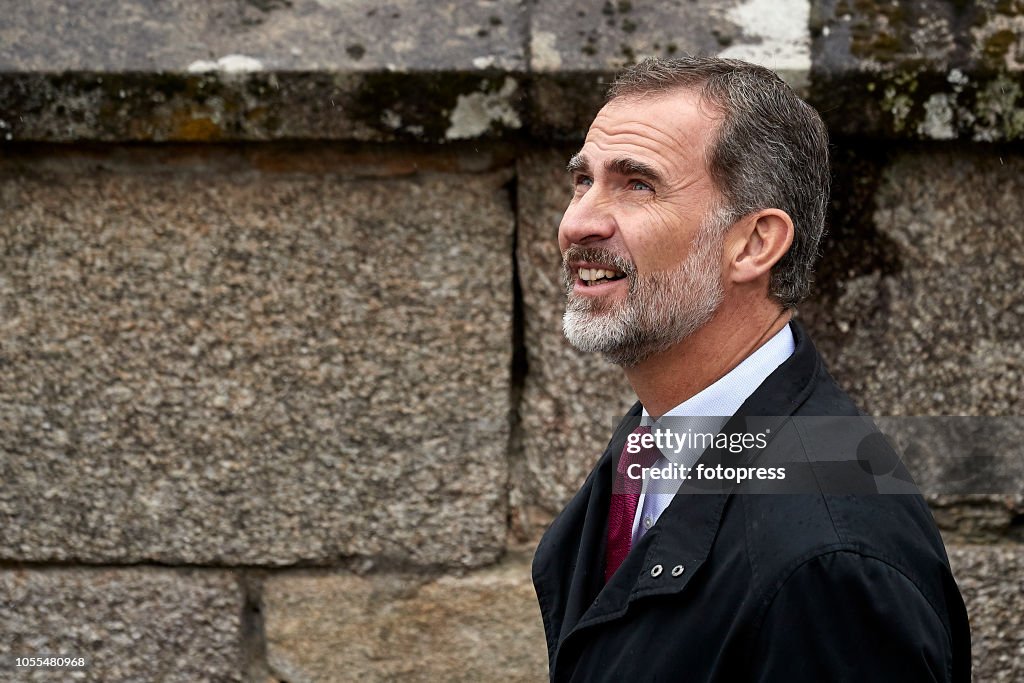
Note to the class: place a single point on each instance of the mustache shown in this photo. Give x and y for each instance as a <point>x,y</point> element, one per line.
<point>595,255</point>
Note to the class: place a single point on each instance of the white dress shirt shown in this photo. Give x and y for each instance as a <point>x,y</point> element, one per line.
<point>707,412</point>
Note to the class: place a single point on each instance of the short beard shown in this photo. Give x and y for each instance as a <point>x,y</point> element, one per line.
<point>661,309</point>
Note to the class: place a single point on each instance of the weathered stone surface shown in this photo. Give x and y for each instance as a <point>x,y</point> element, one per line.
<point>916,309</point>
<point>571,401</point>
<point>577,47</point>
<point>231,364</point>
<point>936,34</point>
<point>919,313</point>
<point>129,624</point>
<point>258,106</point>
<point>427,71</point>
<point>991,579</point>
<point>338,627</point>
<point>977,519</point>
<point>257,70</point>
<point>933,69</point>
<point>254,35</point>
<point>586,36</point>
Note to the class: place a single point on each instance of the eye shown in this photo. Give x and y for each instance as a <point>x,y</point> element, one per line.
<point>581,183</point>
<point>640,185</point>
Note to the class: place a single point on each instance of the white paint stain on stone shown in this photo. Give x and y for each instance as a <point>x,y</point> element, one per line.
<point>474,113</point>
<point>777,33</point>
<point>483,62</point>
<point>391,119</point>
<point>958,79</point>
<point>227,64</point>
<point>938,118</point>
<point>544,55</point>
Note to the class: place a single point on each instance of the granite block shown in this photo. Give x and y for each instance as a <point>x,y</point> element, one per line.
<point>217,363</point>
<point>129,624</point>
<point>918,310</point>
<point>991,579</point>
<point>484,625</point>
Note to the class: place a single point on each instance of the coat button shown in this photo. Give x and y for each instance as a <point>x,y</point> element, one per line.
<point>656,571</point>
<point>678,570</point>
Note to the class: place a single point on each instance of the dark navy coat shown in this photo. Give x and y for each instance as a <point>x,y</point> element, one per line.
<point>741,586</point>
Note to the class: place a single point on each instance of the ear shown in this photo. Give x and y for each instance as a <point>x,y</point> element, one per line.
<point>757,242</point>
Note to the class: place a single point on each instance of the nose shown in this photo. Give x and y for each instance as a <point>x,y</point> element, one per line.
<point>587,220</point>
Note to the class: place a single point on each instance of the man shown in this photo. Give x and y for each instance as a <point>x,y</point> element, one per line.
<point>699,200</point>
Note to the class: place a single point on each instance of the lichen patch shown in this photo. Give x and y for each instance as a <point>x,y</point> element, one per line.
<point>938,118</point>
<point>474,114</point>
<point>544,55</point>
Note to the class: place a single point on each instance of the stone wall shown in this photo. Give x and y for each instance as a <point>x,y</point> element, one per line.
<point>283,392</point>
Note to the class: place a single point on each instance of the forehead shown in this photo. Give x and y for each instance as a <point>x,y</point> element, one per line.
<point>672,131</point>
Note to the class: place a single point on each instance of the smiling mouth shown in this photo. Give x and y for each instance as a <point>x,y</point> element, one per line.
<point>595,276</point>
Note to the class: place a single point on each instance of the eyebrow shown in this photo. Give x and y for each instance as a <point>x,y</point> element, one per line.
<point>621,166</point>
<point>577,164</point>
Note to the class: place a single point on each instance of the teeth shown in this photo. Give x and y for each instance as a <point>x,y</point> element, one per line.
<point>593,274</point>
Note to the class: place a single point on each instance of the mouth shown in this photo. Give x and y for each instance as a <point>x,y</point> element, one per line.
<point>596,275</point>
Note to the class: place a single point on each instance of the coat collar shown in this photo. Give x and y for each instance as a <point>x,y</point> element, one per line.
<point>685,533</point>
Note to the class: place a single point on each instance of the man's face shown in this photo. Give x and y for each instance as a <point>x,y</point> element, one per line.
<point>644,213</point>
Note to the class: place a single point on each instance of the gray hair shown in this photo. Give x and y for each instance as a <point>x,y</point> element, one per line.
<point>770,150</point>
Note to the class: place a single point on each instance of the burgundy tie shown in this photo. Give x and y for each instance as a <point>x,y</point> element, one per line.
<point>625,496</point>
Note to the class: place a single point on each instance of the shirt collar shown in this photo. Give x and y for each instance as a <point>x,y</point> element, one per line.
<point>720,401</point>
<point>725,396</point>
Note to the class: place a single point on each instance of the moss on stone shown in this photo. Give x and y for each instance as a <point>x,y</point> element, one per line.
<point>1009,7</point>
<point>423,117</point>
<point>886,46</point>
<point>997,45</point>
<point>999,110</point>
<point>923,103</point>
<point>195,129</point>
<point>880,31</point>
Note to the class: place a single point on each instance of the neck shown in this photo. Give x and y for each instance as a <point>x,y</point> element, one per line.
<point>666,379</point>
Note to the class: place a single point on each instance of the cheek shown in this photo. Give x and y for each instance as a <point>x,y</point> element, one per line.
<point>662,243</point>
